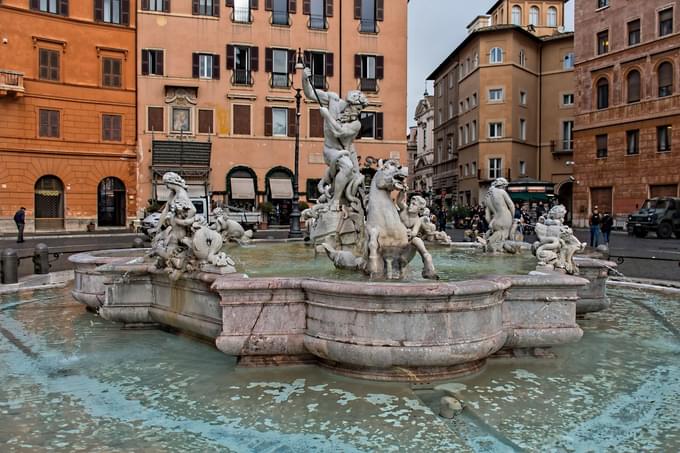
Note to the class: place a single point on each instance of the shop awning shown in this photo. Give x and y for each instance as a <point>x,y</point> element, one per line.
<point>242,189</point>
<point>281,189</point>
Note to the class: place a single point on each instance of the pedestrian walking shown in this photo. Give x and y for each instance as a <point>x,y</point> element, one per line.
<point>20,220</point>
<point>607,225</point>
<point>595,231</point>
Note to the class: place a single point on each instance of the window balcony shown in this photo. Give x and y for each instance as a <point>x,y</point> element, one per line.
<point>242,77</point>
<point>317,22</point>
<point>280,80</point>
<point>491,174</point>
<point>11,83</point>
<point>368,26</point>
<point>369,85</point>
<point>281,18</point>
<point>567,147</point>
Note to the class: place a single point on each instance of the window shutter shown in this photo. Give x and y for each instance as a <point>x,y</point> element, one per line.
<point>125,12</point>
<point>106,127</point>
<point>254,59</point>
<point>155,119</point>
<point>268,121</point>
<point>63,7</point>
<point>291,122</point>
<point>268,5</point>
<point>194,65</point>
<point>357,66</point>
<point>634,86</point>
<point>292,6</point>
<point>380,10</point>
<point>306,7</point>
<point>665,74</point>
<point>195,7</point>
<point>329,8</point>
<point>229,3</point>
<point>54,123</point>
<point>379,126</point>
<point>117,128</point>
<point>43,123</point>
<point>357,9</point>
<point>292,57</point>
<point>379,67</point>
<point>329,65</point>
<point>145,62</point>
<point>241,119</point>
<point>145,5</point>
<point>166,6</point>
<point>159,63</point>
<point>205,121</point>
<point>268,60</point>
<point>35,4</point>
<point>216,8</point>
<point>99,10</point>
<point>216,67</point>
<point>315,123</point>
<point>307,57</point>
<point>253,5</point>
<point>230,57</point>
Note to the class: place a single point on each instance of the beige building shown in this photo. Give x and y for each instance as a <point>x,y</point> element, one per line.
<point>504,102</point>
<point>216,92</point>
<point>422,158</point>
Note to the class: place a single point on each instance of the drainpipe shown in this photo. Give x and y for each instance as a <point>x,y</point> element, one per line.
<point>340,59</point>
<point>540,113</point>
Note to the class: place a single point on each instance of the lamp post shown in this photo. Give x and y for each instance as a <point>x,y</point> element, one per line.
<point>295,231</point>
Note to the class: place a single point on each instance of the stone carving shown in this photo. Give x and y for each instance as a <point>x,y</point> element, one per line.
<point>358,232</point>
<point>556,245</point>
<point>416,217</point>
<point>499,210</point>
<point>230,230</point>
<point>182,241</point>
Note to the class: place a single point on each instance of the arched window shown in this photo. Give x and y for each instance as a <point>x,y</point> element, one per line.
<point>602,93</point>
<point>496,55</point>
<point>517,15</point>
<point>49,203</point>
<point>111,202</point>
<point>552,17</point>
<point>633,85</point>
<point>534,14</point>
<point>665,74</point>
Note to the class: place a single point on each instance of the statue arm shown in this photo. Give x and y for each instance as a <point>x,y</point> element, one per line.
<point>311,93</point>
<point>340,130</point>
<point>509,203</point>
<point>401,201</point>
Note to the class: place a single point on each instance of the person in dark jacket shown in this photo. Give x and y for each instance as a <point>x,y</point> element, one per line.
<point>607,225</point>
<point>20,220</point>
<point>595,231</point>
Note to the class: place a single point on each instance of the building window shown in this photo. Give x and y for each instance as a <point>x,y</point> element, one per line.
<point>634,32</point>
<point>633,86</point>
<point>522,168</point>
<point>466,134</point>
<point>51,6</point>
<point>156,5</point>
<point>449,145</point>
<point>279,62</point>
<point>522,98</point>
<point>466,170</point>
<point>633,142</point>
<point>280,11</point>
<point>467,104</point>
<point>48,62</point>
<point>48,123</point>
<point>460,107</point>
<point>473,131</point>
<point>369,12</point>
<point>372,125</point>
<point>112,72</point>
<point>602,94</point>
<point>522,58</point>
<point>321,65</point>
<point>567,135</point>
<point>601,142</point>
<point>111,128</point>
<point>666,22</point>
<point>279,122</point>
<point>495,130</point>
<point>206,8</point>
<point>451,110</point>
<point>496,55</point>
<point>603,42</point>
<point>241,119</point>
<point>205,66</point>
<point>242,61</point>
<point>602,3</point>
<point>568,99</point>
<point>534,14</point>
<point>154,119</point>
<point>474,168</point>
<point>450,80</point>
<point>368,69</point>
<point>569,61</point>
<point>522,129</point>
<point>241,12</point>
<point>474,100</point>
<point>665,76</point>
<point>205,122</point>
<point>152,62</point>
<point>517,15</point>
<point>552,17</point>
<point>181,119</point>
<point>663,138</point>
<point>495,168</point>
<point>318,10</point>
<point>496,95</point>
<point>112,11</point>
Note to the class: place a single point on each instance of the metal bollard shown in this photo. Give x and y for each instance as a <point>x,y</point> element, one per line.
<point>41,259</point>
<point>138,243</point>
<point>10,266</point>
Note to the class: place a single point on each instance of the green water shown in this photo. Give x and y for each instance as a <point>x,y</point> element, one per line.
<point>74,382</point>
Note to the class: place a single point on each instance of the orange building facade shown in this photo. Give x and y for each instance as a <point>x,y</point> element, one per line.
<point>67,129</point>
<point>216,97</point>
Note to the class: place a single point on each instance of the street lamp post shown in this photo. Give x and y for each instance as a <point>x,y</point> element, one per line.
<point>295,231</point>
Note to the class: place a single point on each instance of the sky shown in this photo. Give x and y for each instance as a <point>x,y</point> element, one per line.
<point>435,29</point>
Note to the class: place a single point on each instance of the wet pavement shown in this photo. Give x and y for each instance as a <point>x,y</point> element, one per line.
<point>75,382</point>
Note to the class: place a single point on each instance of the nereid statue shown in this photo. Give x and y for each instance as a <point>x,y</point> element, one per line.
<point>556,245</point>
<point>183,242</point>
<point>499,210</point>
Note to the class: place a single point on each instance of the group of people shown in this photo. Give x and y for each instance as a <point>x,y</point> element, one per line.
<point>600,227</point>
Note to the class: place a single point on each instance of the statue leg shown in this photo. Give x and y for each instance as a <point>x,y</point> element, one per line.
<point>373,267</point>
<point>428,266</point>
<point>342,178</point>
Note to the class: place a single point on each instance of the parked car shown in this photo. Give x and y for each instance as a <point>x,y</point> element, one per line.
<point>660,215</point>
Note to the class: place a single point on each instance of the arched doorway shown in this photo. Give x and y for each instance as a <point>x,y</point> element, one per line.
<point>242,188</point>
<point>279,183</point>
<point>49,203</point>
<point>111,202</point>
<point>565,196</point>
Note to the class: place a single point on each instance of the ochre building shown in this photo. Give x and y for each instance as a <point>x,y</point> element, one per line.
<point>216,90</point>
<point>67,122</point>
<point>628,105</point>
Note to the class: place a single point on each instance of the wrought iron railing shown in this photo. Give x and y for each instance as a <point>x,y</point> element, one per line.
<point>368,26</point>
<point>370,85</point>
<point>319,81</point>
<point>242,77</point>
<point>317,22</point>
<point>280,80</point>
<point>280,18</point>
